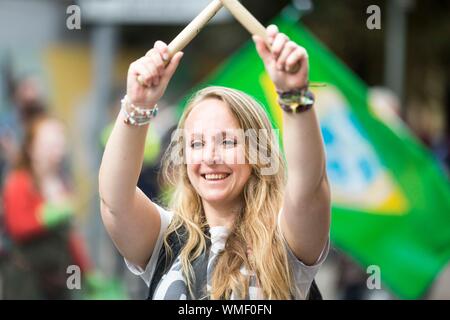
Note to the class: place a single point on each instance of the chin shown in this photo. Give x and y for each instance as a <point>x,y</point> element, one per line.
<point>215,197</point>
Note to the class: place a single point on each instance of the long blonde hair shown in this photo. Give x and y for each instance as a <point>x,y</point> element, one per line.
<point>255,227</point>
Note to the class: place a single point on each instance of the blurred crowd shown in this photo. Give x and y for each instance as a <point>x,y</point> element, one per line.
<point>38,241</point>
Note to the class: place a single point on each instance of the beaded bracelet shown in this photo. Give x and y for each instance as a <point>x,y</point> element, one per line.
<point>137,116</point>
<point>296,101</point>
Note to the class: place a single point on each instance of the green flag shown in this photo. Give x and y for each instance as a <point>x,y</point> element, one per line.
<point>391,201</point>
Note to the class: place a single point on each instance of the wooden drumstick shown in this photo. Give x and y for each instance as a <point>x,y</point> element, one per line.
<point>194,27</point>
<point>250,22</point>
<point>191,30</point>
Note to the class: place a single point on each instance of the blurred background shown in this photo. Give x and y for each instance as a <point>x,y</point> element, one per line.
<point>381,71</point>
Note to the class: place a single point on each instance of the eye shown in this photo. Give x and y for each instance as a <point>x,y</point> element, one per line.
<point>197,144</point>
<point>229,143</point>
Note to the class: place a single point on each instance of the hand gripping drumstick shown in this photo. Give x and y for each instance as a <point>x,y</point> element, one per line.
<point>249,22</point>
<point>192,29</point>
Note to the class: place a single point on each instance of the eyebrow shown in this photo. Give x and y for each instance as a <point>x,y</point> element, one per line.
<point>196,136</point>
<point>222,134</point>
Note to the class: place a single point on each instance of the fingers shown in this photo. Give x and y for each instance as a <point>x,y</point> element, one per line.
<point>295,58</point>
<point>272,31</point>
<point>278,44</point>
<point>285,53</point>
<point>292,60</point>
<point>261,48</point>
<point>150,68</point>
<point>158,65</point>
<point>157,60</point>
<point>163,49</point>
<point>172,67</point>
<point>143,71</point>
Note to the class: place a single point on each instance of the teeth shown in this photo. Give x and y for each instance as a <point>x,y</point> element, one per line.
<point>215,176</point>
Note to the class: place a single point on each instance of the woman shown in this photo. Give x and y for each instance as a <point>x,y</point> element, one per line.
<point>259,236</point>
<point>37,208</point>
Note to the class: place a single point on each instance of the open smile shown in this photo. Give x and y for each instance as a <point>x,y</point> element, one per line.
<point>215,176</point>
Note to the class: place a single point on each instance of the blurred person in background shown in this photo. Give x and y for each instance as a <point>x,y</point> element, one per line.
<point>38,208</point>
<point>386,105</point>
<point>27,102</point>
<point>441,145</point>
<point>351,279</point>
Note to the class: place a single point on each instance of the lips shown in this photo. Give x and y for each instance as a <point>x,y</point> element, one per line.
<point>215,176</point>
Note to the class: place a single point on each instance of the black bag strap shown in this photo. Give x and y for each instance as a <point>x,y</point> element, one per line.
<point>200,267</point>
<point>176,241</point>
<point>314,292</point>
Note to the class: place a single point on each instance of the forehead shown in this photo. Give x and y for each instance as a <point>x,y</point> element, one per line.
<point>211,116</point>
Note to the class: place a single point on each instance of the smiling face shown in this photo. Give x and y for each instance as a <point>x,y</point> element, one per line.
<point>215,153</point>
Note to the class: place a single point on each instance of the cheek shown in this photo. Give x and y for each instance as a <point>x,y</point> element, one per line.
<point>192,171</point>
<point>234,156</point>
<point>193,156</point>
<point>243,172</point>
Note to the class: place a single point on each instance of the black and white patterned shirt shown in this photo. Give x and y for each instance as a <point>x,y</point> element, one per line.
<point>172,285</point>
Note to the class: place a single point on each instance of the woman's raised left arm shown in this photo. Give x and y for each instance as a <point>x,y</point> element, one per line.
<point>305,218</point>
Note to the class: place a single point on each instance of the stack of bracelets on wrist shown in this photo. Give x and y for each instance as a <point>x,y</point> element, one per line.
<point>296,101</point>
<point>137,116</point>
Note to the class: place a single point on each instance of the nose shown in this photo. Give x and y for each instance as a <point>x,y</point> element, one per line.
<point>212,153</point>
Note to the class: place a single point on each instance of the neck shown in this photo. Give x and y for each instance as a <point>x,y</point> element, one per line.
<point>221,214</point>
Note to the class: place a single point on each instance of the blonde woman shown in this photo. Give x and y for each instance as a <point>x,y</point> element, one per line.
<point>249,227</point>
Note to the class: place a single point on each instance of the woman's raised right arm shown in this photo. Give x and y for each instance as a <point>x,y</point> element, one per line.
<point>130,217</point>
